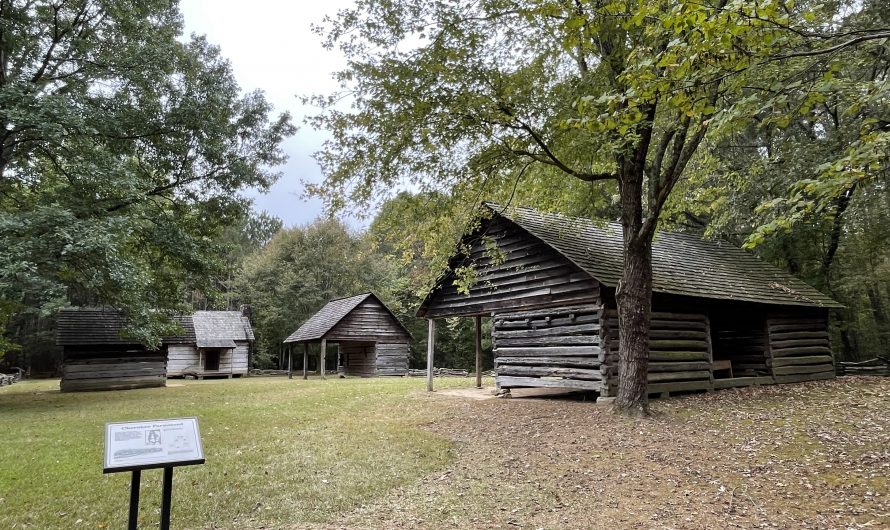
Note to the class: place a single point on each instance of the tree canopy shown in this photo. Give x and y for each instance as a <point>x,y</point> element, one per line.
<point>123,148</point>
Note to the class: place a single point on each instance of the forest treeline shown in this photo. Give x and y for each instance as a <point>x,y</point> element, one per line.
<point>125,149</point>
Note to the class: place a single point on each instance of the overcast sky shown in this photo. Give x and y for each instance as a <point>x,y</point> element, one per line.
<point>272,48</point>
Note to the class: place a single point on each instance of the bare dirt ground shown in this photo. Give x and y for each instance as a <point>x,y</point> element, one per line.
<point>813,455</point>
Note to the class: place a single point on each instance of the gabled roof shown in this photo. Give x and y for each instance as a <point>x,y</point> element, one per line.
<point>682,264</point>
<point>322,322</point>
<point>220,329</point>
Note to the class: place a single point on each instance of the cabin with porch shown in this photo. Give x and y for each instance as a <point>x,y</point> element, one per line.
<point>214,344</point>
<point>370,340</point>
<point>97,355</point>
<point>721,317</point>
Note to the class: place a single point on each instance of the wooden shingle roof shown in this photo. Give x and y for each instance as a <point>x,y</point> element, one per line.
<point>220,329</point>
<point>334,312</point>
<point>682,264</point>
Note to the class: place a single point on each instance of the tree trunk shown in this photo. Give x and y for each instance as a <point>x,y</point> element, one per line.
<point>634,299</point>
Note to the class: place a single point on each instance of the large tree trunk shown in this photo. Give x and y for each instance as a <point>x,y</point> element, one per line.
<point>634,299</point>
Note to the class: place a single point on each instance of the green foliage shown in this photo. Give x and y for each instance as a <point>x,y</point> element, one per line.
<point>299,271</point>
<point>124,147</point>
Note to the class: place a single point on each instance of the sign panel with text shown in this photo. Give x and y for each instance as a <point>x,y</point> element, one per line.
<point>151,444</point>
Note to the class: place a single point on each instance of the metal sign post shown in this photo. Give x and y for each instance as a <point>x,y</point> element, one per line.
<point>137,445</point>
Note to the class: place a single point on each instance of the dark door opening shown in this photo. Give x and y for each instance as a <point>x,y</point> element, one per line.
<point>211,361</point>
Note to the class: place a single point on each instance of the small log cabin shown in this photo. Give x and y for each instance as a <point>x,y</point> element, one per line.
<point>215,344</point>
<point>721,317</point>
<point>96,356</point>
<point>371,340</point>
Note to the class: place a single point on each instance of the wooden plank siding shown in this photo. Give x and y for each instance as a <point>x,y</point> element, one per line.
<point>514,270</point>
<point>112,368</point>
<point>552,348</point>
<point>185,359</point>
<point>369,321</point>
<point>358,359</point>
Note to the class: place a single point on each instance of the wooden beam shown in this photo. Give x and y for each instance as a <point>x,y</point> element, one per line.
<point>430,348</point>
<point>478,352</point>
<point>290,362</point>
<point>321,356</point>
<point>305,360</point>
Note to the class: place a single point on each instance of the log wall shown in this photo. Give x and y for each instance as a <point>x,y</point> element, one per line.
<point>358,358</point>
<point>112,368</point>
<point>513,270</point>
<point>392,358</point>
<point>680,352</point>
<point>556,348</point>
<point>799,348</point>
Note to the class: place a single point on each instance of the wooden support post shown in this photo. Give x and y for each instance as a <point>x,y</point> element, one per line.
<point>478,351</point>
<point>430,348</point>
<point>305,360</point>
<point>321,356</point>
<point>290,362</point>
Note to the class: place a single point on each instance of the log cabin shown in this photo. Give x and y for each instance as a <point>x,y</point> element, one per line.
<point>721,317</point>
<point>96,355</point>
<point>371,341</point>
<point>214,344</point>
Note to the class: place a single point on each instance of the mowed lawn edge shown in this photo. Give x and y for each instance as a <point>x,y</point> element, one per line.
<point>278,451</point>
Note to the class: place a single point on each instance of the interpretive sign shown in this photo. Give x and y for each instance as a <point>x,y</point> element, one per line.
<point>151,444</point>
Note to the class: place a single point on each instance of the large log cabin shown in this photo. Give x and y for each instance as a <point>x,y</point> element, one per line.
<point>371,340</point>
<point>721,317</point>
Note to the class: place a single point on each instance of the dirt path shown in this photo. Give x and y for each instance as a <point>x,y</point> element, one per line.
<point>814,455</point>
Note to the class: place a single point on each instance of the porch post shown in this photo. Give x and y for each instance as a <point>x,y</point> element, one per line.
<point>290,364</point>
<point>430,348</point>
<point>478,351</point>
<point>321,356</point>
<point>305,359</point>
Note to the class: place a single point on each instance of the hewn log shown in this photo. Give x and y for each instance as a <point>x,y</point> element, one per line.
<point>548,332</point>
<point>533,382</point>
<point>807,359</point>
<point>670,345</point>
<point>803,369</point>
<point>799,378</point>
<point>548,371</point>
<point>809,350</point>
<point>678,366</point>
<point>822,335</point>
<point>543,351</point>
<point>590,362</point>
<point>548,341</point>
<point>679,376</point>
<point>678,356</point>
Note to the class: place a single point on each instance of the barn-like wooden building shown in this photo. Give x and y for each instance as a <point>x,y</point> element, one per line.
<point>215,344</point>
<point>96,356</point>
<point>370,338</point>
<point>721,316</point>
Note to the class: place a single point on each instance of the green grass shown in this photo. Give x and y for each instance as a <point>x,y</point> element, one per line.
<point>278,451</point>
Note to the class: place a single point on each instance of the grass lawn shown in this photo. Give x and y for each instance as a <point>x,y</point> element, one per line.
<point>381,453</point>
<point>277,451</point>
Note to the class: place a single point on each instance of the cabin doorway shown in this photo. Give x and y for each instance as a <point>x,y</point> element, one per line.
<point>211,361</point>
<point>739,346</point>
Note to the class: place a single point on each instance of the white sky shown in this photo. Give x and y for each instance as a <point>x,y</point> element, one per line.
<point>272,48</point>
